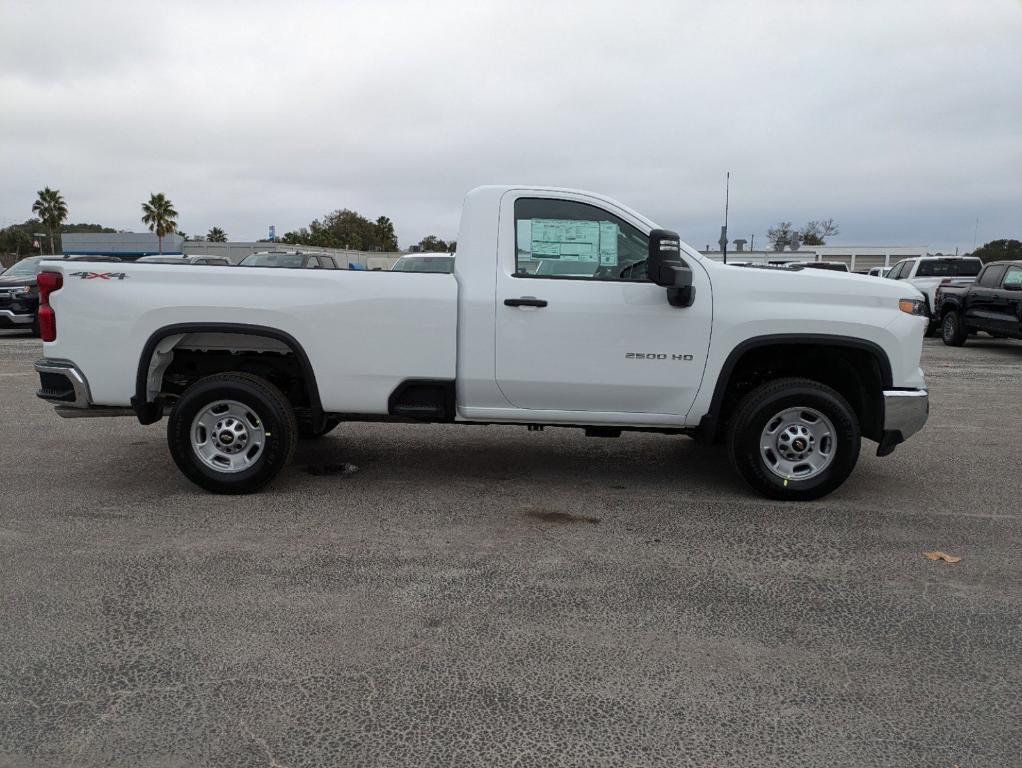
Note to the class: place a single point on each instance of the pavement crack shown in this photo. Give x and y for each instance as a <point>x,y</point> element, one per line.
<point>261,742</point>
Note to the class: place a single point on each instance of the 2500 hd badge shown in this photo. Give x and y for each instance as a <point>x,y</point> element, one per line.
<point>655,356</point>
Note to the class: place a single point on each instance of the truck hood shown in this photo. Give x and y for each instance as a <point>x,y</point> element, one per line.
<point>16,282</point>
<point>815,284</point>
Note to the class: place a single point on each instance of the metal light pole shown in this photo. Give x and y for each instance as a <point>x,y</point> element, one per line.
<point>727,194</point>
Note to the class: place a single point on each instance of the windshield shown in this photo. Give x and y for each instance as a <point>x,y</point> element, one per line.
<point>424,264</point>
<point>26,268</point>
<point>291,260</point>
<point>949,268</point>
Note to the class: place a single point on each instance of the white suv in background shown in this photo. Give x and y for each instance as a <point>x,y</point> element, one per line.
<point>927,273</point>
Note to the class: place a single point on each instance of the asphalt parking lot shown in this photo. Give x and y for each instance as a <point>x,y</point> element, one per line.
<point>488,596</point>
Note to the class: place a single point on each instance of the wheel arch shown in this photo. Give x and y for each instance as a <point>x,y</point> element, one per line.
<point>809,350</point>
<point>148,410</point>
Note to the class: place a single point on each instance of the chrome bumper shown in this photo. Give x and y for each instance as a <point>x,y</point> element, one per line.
<point>16,319</point>
<point>905,413</point>
<point>62,383</point>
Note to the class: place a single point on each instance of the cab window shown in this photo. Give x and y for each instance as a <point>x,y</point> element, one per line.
<point>568,240</point>
<point>1013,278</point>
<point>991,276</point>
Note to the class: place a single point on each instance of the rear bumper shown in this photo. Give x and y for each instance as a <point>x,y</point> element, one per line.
<point>62,383</point>
<point>905,413</point>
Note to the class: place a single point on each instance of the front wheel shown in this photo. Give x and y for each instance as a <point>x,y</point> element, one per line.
<point>794,439</point>
<point>232,432</point>
<point>953,331</point>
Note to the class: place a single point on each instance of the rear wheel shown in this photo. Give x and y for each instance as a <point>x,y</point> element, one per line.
<point>953,330</point>
<point>794,439</point>
<point>232,432</point>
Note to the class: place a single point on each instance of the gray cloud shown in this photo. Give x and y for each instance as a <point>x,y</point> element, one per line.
<point>901,120</point>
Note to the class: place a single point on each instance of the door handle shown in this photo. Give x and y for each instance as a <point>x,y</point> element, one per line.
<point>525,301</point>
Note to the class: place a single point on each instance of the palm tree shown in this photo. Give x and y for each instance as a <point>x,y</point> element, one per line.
<point>52,210</point>
<point>216,235</point>
<point>160,216</point>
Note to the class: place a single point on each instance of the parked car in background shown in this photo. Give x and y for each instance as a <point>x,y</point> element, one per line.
<point>993,304</point>
<point>833,266</point>
<point>926,273</point>
<point>19,297</point>
<point>289,260</point>
<point>424,262</point>
<point>213,261</point>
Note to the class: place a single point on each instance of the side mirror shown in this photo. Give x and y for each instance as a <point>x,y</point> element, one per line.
<point>665,267</point>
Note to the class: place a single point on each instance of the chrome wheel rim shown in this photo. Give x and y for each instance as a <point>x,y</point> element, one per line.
<point>798,443</point>
<point>949,327</point>
<point>228,436</point>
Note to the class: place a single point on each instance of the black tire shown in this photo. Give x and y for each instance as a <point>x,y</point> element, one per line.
<point>35,327</point>
<point>306,432</point>
<point>763,404</point>
<point>273,412</point>
<point>953,330</point>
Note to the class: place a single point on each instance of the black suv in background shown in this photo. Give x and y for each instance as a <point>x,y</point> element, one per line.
<point>19,297</point>
<point>993,304</point>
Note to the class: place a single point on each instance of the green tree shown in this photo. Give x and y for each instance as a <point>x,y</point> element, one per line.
<point>52,211</point>
<point>386,237</point>
<point>159,215</point>
<point>346,228</point>
<point>999,250</point>
<point>14,239</point>
<point>216,235</point>
<point>432,244</point>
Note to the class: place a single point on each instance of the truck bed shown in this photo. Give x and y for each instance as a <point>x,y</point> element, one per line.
<point>363,332</point>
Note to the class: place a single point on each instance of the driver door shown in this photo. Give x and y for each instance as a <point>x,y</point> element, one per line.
<point>588,332</point>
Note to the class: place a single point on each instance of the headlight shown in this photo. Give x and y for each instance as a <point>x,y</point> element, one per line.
<point>913,306</point>
<point>19,289</point>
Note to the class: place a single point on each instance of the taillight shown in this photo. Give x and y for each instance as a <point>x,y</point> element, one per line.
<point>48,282</point>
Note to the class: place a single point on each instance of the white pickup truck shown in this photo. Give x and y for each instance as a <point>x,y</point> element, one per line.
<point>790,369</point>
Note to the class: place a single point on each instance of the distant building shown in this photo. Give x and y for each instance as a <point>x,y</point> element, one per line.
<point>127,245</point>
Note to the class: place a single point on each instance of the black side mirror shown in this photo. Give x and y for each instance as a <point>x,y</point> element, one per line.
<point>665,267</point>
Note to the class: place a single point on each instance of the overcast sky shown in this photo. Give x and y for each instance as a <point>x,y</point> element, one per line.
<point>901,120</point>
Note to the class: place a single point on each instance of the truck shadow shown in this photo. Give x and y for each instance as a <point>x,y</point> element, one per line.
<point>510,455</point>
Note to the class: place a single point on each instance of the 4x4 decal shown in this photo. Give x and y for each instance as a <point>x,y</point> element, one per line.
<point>100,275</point>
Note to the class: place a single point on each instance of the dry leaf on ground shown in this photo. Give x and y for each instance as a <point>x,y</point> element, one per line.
<point>938,555</point>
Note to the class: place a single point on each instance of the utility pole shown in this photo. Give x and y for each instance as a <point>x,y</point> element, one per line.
<point>975,232</point>
<point>723,234</point>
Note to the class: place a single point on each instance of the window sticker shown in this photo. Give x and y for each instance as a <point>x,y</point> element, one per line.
<point>568,240</point>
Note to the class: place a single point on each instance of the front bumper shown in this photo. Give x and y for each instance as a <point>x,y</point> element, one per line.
<point>11,317</point>
<point>905,413</point>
